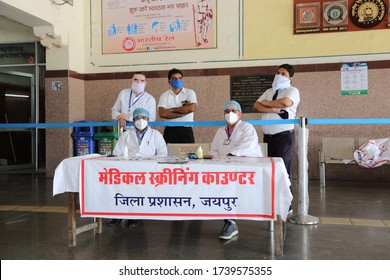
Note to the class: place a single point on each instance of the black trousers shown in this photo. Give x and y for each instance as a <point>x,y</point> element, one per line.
<point>282,145</point>
<point>178,134</point>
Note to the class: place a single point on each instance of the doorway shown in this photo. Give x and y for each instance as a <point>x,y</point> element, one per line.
<point>21,99</point>
<point>17,106</point>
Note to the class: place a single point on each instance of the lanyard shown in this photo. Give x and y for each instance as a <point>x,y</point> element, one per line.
<point>135,101</point>
<point>228,132</point>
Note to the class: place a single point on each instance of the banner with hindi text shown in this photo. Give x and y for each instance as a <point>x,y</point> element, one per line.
<point>232,187</point>
<point>158,25</point>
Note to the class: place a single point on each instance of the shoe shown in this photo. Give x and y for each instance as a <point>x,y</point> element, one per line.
<point>228,231</point>
<point>114,222</point>
<point>229,241</point>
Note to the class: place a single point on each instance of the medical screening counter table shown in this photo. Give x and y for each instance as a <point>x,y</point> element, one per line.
<point>174,188</point>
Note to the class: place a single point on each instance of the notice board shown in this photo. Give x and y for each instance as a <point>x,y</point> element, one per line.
<point>247,89</point>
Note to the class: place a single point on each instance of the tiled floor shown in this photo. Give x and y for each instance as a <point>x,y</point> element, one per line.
<point>354,224</point>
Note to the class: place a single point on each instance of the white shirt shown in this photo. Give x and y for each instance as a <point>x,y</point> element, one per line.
<point>123,106</point>
<point>244,141</point>
<point>170,100</point>
<point>152,144</point>
<point>291,93</point>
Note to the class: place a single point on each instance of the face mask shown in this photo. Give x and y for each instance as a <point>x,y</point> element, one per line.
<point>231,118</point>
<point>137,87</point>
<point>280,82</point>
<point>141,124</point>
<point>177,83</point>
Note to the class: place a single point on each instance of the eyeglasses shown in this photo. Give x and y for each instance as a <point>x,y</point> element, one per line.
<point>235,111</point>
<point>176,78</point>
<point>140,117</point>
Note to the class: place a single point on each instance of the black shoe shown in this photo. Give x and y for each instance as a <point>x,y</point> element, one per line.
<point>132,223</point>
<point>114,222</point>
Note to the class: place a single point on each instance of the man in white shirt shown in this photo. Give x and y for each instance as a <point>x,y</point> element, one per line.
<point>131,98</point>
<point>237,138</point>
<point>139,141</point>
<point>280,102</point>
<point>178,105</point>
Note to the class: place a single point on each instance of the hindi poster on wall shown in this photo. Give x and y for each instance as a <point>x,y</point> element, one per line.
<point>154,25</point>
<point>354,78</point>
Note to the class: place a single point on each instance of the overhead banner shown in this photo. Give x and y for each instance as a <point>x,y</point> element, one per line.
<point>312,16</point>
<point>158,25</point>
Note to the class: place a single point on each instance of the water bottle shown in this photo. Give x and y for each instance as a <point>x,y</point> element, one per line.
<point>199,152</point>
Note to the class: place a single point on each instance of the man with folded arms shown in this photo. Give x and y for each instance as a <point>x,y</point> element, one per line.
<point>280,102</point>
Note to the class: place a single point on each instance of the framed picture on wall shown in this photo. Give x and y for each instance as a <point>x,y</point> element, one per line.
<point>335,13</point>
<point>307,15</point>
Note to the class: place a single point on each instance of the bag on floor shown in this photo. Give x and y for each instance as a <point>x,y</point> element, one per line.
<point>373,153</point>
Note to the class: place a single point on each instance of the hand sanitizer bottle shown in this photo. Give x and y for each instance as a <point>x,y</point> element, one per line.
<point>199,152</point>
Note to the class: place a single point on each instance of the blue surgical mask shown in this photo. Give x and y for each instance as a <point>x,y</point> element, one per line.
<point>177,83</point>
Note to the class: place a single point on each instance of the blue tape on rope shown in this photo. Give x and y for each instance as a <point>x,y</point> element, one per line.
<point>86,124</point>
<point>211,123</point>
<point>348,121</point>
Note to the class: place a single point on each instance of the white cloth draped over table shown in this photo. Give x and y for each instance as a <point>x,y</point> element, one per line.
<point>271,170</point>
<point>67,174</point>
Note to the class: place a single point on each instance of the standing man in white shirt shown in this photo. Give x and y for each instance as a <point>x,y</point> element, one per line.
<point>178,104</point>
<point>131,98</point>
<point>280,102</point>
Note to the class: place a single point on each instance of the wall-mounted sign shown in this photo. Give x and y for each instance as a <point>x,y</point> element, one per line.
<point>366,14</point>
<point>308,16</point>
<point>247,89</point>
<point>354,78</point>
<point>56,85</point>
<point>152,25</point>
<point>335,14</point>
<point>342,15</point>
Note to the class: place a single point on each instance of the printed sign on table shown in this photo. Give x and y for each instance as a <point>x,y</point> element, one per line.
<point>160,189</point>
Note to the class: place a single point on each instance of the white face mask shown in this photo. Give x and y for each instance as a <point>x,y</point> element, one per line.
<point>280,82</point>
<point>231,118</point>
<point>137,87</point>
<point>141,124</point>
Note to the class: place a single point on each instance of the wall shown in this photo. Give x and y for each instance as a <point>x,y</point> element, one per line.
<point>269,34</point>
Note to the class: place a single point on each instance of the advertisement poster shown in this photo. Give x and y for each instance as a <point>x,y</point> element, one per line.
<point>158,25</point>
<point>354,78</point>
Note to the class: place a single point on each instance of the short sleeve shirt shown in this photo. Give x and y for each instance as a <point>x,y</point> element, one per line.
<point>293,94</point>
<point>170,100</point>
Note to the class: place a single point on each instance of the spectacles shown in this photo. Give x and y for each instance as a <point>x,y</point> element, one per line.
<point>140,117</point>
<point>176,78</point>
<point>235,111</point>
